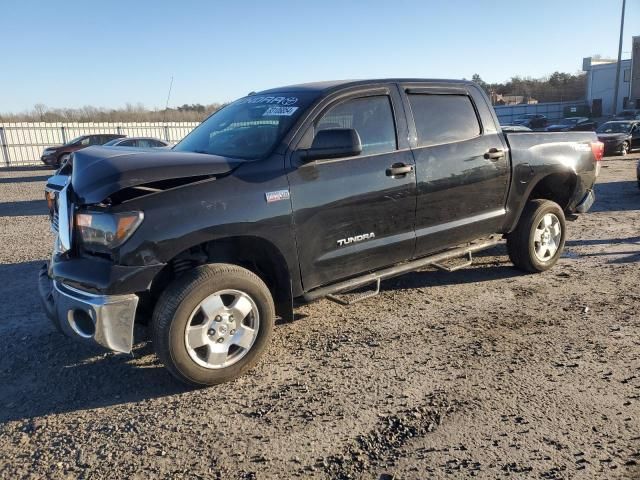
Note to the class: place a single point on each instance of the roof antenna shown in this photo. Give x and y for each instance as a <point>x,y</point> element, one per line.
<point>166,107</point>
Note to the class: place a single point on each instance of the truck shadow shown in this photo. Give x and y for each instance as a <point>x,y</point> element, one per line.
<point>616,197</point>
<point>24,208</point>
<point>37,178</point>
<point>43,372</point>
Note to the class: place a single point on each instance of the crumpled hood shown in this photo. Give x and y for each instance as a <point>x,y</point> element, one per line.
<point>101,171</point>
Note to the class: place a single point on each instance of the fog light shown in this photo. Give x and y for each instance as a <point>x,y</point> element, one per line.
<point>82,323</point>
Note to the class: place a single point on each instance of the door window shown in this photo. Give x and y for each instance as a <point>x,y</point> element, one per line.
<point>443,118</point>
<point>371,117</point>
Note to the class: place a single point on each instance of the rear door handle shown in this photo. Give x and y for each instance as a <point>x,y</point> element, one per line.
<point>399,170</point>
<point>494,154</point>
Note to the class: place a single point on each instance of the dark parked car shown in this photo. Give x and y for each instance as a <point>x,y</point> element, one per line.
<point>291,195</point>
<point>619,136</point>
<point>573,124</point>
<point>532,120</point>
<point>138,142</point>
<point>56,156</point>
<point>632,114</point>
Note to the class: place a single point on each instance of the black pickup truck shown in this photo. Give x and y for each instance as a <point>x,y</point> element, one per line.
<point>295,194</point>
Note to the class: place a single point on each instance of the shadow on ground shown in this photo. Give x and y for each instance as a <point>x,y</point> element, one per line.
<point>35,178</point>
<point>35,360</point>
<point>24,208</point>
<point>616,196</point>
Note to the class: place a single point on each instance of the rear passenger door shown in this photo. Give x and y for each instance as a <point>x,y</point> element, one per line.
<point>355,214</point>
<point>462,166</point>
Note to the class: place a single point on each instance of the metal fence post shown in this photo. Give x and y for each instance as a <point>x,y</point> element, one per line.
<point>64,135</point>
<point>4,148</point>
<point>166,133</point>
<point>118,130</point>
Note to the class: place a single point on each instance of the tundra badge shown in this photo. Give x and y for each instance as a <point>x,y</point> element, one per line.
<point>358,238</point>
<point>276,196</point>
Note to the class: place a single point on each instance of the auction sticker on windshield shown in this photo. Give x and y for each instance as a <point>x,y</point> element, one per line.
<point>279,111</point>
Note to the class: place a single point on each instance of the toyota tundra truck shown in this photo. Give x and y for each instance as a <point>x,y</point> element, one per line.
<point>295,194</point>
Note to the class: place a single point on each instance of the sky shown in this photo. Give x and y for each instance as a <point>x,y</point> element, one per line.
<point>70,53</point>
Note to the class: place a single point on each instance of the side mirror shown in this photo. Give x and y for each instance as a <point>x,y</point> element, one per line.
<point>333,143</point>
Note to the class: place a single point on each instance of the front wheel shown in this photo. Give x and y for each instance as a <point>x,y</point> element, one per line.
<point>538,240</point>
<point>212,324</point>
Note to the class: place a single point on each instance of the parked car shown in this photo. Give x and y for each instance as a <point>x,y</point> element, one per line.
<point>633,114</point>
<point>515,129</point>
<point>573,124</point>
<point>295,194</point>
<point>56,156</point>
<point>619,136</point>
<point>531,120</point>
<point>138,142</point>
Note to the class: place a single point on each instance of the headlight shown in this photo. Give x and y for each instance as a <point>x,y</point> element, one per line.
<point>103,231</point>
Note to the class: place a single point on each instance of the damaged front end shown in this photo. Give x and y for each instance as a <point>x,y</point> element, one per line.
<point>85,290</point>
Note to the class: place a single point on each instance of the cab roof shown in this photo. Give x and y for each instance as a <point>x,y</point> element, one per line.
<point>333,85</point>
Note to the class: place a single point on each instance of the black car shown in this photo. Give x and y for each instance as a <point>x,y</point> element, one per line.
<point>633,114</point>
<point>573,124</point>
<point>56,156</point>
<point>532,120</point>
<point>619,136</point>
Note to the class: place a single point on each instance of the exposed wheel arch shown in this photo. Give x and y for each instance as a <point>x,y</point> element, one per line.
<point>557,187</point>
<point>253,253</point>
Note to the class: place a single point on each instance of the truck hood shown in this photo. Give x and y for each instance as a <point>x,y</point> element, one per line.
<point>98,172</point>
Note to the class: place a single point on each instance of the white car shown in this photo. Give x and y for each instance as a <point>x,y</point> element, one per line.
<point>138,142</point>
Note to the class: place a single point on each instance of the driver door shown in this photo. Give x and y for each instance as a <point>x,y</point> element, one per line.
<point>352,214</point>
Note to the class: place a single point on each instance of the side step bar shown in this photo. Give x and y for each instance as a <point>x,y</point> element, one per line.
<point>433,260</point>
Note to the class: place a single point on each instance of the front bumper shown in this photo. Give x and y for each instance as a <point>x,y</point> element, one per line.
<point>106,320</point>
<point>49,160</point>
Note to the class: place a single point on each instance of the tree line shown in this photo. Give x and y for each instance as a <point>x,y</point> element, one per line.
<point>557,87</point>
<point>129,113</point>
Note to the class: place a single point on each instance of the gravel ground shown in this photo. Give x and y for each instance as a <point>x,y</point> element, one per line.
<point>483,372</point>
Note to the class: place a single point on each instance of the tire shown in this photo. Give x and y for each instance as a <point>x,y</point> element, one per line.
<point>624,150</point>
<point>203,301</point>
<point>530,246</point>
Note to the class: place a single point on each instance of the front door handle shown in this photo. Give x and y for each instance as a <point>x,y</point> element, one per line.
<point>494,154</point>
<point>399,170</point>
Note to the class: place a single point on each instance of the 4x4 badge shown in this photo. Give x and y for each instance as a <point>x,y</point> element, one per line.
<point>277,196</point>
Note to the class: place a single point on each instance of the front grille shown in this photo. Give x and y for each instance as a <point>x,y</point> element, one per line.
<point>54,221</point>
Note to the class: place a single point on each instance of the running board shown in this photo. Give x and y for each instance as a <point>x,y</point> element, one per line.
<point>430,261</point>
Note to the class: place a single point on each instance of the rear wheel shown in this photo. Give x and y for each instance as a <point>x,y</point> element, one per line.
<point>212,324</point>
<point>624,149</point>
<point>538,240</point>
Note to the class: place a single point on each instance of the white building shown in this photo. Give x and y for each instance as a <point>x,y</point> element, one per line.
<point>601,81</point>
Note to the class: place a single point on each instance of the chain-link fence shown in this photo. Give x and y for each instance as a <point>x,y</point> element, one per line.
<point>21,144</point>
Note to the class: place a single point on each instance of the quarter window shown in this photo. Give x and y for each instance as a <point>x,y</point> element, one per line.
<point>443,118</point>
<point>371,117</point>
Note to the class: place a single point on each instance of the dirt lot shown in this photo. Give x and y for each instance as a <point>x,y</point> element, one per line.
<point>485,372</point>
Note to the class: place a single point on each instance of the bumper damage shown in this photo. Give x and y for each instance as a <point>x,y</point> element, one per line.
<point>106,320</point>
<point>586,203</point>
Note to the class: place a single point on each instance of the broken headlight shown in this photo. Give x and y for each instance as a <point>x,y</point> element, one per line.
<point>102,231</point>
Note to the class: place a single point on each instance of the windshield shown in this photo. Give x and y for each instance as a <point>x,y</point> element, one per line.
<point>614,127</point>
<point>248,128</point>
<point>76,140</point>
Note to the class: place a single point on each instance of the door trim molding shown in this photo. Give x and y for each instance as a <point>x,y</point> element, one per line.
<point>460,223</point>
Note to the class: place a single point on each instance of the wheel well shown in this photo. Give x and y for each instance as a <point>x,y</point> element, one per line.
<point>558,187</point>
<point>253,253</point>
